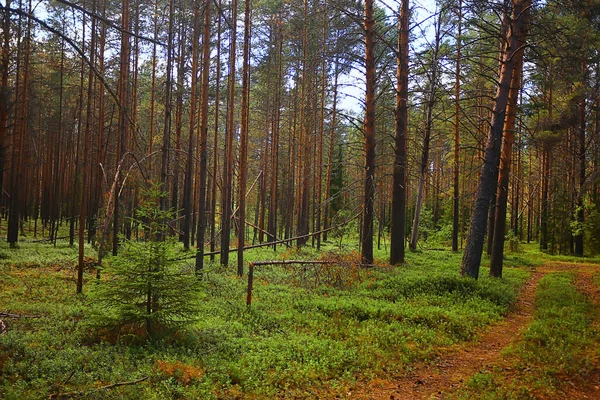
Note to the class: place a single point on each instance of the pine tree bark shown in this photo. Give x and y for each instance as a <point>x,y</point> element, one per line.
<point>213,199</point>
<point>226,201</point>
<point>166,144</point>
<point>369,138</point>
<point>273,184</point>
<point>487,182</point>
<point>202,173</point>
<point>579,211</point>
<point>189,165</point>
<point>243,170</point>
<point>398,221</point>
<point>124,101</point>
<point>84,169</point>
<point>456,183</point>
<point>497,254</point>
<point>414,236</point>
<point>4,89</point>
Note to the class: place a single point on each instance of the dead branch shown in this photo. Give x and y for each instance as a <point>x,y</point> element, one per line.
<point>287,262</point>
<point>82,393</point>
<point>9,315</point>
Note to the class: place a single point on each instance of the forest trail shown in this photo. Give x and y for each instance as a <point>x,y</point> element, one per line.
<point>455,365</point>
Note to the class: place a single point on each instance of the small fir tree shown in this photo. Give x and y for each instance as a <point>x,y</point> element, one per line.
<point>146,290</point>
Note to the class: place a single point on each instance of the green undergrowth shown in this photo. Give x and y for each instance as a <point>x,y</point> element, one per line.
<point>558,350</point>
<point>310,330</point>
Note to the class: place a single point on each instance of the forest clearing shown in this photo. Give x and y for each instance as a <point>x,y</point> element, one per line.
<point>408,332</point>
<point>372,199</point>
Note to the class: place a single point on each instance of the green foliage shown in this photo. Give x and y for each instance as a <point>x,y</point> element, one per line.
<point>295,340</point>
<point>146,287</point>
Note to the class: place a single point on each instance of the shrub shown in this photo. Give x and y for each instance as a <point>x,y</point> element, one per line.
<point>146,290</point>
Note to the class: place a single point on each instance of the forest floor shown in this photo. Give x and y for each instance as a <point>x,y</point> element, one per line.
<point>452,369</point>
<point>417,331</point>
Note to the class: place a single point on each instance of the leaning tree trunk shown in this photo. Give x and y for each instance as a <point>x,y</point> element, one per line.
<point>487,184</point>
<point>497,253</point>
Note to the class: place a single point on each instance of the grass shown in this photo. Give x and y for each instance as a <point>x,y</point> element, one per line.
<point>559,346</point>
<point>308,332</point>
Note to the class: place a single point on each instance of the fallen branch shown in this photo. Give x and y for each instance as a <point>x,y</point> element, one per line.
<point>9,315</point>
<point>256,246</point>
<point>287,262</point>
<point>81,393</point>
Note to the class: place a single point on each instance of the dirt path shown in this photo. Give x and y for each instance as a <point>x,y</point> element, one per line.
<point>457,364</point>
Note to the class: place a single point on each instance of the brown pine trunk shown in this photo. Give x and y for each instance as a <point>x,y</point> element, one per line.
<point>414,236</point>
<point>456,199</point>
<point>319,155</point>
<point>487,182</point>
<point>397,245</point>
<point>20,130</point>
<point>4,90</point>
<point>226,208</point>
<point>497,255</point>
<point>189,165</point>
<point>330,155</point>
<point>579,211</point>
<point>84,169</point>
<point>369,138</point>
<point>213,205</point>
<point>124,100</point>
<point>99,161</point>
<point>178,117</point>
<point>153,91</point>
<point>202,173</point>
<point>273,187</point>
<point>304,143</point>
<point>243,170</point>
<point>166,144</point>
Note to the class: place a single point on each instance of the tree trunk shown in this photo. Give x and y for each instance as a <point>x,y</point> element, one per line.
<point>369,138</point>
<point>397,245</point>
<point>166,144</point>
<point>123,99</point>
<point>4,91</point>
<point>456,199</point>
<point>226,208</point>
<point>189,165</point>
<point>487,184</point>
<point>84,169</point>
<point>579,211</point>
<point>273,186</point>
<point>330,155</point>
<point>202,173</point>
<point>213,205</point>
<point>243,170</point>
<point>414,236</point>
<point>497,254</point>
